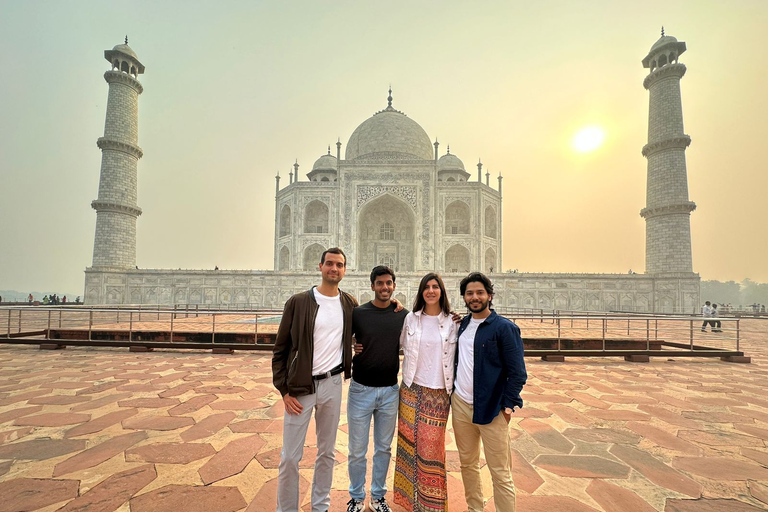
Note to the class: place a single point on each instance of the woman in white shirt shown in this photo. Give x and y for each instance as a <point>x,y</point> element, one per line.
<point>428,341</point>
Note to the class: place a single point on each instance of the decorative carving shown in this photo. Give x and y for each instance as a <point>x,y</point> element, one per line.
<point>125,79</point>
<point>306,242</point>
<point>123,147</point>
<point>670,70</point>
<point>367,192</point>
<point>687,207</point>
<point>109,206</point>
<point>673,143</point>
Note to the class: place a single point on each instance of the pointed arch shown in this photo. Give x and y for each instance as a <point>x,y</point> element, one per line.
<point>285,220</point>
<point>284,262</point>
<point>491,222</point>
<point>312,255</point>
<point>457,259</point>
<point>386,229</point>
<point>316,217</point>
<point>490,261</point>
<point>457,218</point>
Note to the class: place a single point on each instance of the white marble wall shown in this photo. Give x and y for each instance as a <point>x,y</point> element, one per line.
<point>266,289</point>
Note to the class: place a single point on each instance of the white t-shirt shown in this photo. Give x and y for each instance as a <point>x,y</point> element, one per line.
<point>429,368</point>
<point>465,385</point>
<point>328,334</point>
<point>706,311</point>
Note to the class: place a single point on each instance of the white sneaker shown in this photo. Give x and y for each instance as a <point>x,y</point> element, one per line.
<point>354,505</point>
<point>380,505</point>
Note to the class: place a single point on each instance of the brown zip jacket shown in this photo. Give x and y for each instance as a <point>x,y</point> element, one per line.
<point>295,344</point>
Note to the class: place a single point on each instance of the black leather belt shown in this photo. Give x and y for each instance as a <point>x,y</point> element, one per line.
<point>334,371</point>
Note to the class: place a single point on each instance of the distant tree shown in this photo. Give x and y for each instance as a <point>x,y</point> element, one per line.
<point>753,293</point>
<point>721,293</point>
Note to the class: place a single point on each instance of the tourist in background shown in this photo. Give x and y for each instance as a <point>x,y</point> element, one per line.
<point>706,312</point>
<point>490,373</point>
<point>716,324</point>
<point>428,341</point>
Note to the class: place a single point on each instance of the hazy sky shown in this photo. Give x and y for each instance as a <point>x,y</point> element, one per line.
<point>235,91</point>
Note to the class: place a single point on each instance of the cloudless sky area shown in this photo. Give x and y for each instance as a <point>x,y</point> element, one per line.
<point>235,91</point>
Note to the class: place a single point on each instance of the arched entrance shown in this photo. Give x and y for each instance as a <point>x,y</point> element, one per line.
<point>386,235</point>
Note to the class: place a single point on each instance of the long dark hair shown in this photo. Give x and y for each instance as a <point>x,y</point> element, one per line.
<point>419,304</point>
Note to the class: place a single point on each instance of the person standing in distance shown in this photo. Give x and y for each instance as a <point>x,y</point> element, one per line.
<point>706,312</point>
<point>490,373</point>
<point>313,347</point>
<point>373,392</point>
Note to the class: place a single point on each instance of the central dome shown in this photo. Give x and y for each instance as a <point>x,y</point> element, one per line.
<point>391,135</point>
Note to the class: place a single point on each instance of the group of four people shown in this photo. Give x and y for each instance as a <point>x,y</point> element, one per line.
<point>475,367</point>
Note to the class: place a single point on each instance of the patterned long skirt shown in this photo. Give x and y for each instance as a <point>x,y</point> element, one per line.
<point>420,484</point>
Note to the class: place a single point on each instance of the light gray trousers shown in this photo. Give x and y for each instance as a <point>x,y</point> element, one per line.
<point>326,403</point>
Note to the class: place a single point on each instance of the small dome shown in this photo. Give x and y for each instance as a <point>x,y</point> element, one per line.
<point>325,163</point>
<point>449,162</point>
<point>124,48</point>
<point>663,40</point>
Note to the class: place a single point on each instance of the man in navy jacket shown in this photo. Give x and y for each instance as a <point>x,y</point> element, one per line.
<point>490,373</point>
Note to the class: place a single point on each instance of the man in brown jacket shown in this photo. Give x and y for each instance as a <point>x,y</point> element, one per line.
<point>312,349</point>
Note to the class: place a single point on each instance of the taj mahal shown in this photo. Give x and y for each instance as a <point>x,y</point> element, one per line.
<point>395,198</point>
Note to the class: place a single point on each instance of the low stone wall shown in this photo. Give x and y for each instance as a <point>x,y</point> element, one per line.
<point>669,293</point>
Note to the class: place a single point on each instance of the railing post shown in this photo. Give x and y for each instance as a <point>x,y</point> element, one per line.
<point>213,329</point>
<point>60,317</point>
<point>48,336</point>
<point>604,328</point>
<point>197,308</point>
<point>628,320</point>
<point>118,313</point>
<point>691,328</point>
<point>558,332</point>
<point>656,329</point>
<point>90,323</point>
<point>8,334</point>
<point>19,320</point>
<point>173,314</point>
<point>738,332</point>
<point>647,334</point>
<point>130,326</point>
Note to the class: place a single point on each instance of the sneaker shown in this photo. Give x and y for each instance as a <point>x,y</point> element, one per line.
<point>380,505</point>
<point>354,505</point>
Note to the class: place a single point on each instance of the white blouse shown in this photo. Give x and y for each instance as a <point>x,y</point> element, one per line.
<point>414,346</point>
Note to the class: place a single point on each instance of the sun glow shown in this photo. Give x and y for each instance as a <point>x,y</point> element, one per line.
<point>588,139</point>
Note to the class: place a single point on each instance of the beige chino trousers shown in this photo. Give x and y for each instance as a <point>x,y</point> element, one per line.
<point>498,456</point>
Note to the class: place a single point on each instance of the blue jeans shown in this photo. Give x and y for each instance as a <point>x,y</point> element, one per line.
<point>364,403</point>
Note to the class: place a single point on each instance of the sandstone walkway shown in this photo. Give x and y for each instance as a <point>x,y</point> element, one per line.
<point>107,430</point>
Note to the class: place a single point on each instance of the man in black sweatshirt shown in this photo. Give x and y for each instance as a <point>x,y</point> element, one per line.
<point>373,392</point>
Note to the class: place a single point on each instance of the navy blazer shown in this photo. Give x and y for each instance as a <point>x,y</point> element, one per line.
<point>499,372</point>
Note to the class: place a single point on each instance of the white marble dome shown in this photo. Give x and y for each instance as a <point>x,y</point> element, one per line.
<point>325,163</point>
<point>390,135</point>
<point>124,48</point>
<point>449,162</point>
<point>663,40</point>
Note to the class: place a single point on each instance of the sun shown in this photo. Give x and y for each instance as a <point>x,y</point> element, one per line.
<point>588,139</point>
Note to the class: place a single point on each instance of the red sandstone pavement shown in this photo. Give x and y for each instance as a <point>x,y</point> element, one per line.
<point>87,430</point>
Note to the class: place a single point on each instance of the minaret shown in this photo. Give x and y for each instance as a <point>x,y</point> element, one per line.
<point>667,212</point>
<point>114,245</point>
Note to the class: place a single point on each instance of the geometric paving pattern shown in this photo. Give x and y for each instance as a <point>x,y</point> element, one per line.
<point>97,429</point>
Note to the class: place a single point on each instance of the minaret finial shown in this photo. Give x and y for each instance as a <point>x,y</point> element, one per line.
<point>662,31</point>
<point>448,148</point>
<point>126,38</point>
<point>329,149</point>
<point>389,98</point>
